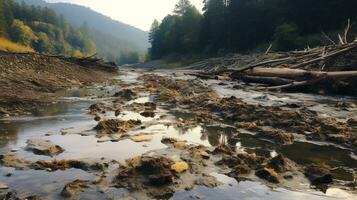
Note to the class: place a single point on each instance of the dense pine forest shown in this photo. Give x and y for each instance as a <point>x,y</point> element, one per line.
<point>249,25</point>
<point>42,30</point>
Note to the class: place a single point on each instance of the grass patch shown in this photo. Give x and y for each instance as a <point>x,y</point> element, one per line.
<point>8,46</point>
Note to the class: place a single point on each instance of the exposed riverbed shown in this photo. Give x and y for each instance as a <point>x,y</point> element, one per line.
<point>67,124</point>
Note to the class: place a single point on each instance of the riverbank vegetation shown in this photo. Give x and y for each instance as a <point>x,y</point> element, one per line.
<point>41,29</point>
<point>242,26</point>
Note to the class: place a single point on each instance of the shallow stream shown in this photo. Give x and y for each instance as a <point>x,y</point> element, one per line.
<point>67,124</point>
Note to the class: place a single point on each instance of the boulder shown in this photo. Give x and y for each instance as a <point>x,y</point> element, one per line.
<point>268,174</point>
<point>43,147</point>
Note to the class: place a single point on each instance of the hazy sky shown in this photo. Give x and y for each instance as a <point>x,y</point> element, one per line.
<point>139,13</point>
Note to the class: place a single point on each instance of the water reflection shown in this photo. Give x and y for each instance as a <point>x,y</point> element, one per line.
<point>232,190</point>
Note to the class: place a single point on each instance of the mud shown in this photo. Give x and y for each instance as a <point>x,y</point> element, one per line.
<point>161,136</point>
<point>209,108</point>
<point>31,80</point>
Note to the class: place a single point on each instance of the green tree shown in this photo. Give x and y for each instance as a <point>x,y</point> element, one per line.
<point>43,43</point>
<point>286,36</point>
<point>22,33</point>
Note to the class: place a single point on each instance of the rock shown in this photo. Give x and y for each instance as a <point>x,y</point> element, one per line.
<point>55,165</point>
<point>98,108</point>
<point>141,138</point>
<point>43,147</point>
<point>167,140</point>
<point>113,126</point>
<point>241,163</point>
<point>97,118</point>
<point>278,136</point>
<point>222,77</point>
<point>3,186</point>
<point>268,174</point>
<point>352,122</point>
<point>127,94</point>
<point>179,167</point>
<point>8,195</point>
<point>150,106</point>
<point>117,112</point>
<point>148,114</point>
<point>31,198</point>
<point>223,149</point>
<point>145,170</point>
<point>72,189</point>
<point>318,174</point>
<point>180,145</point>
<point>281,164</point>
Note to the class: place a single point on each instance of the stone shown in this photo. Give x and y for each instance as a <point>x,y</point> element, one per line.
<point>268,174</point>
<point>43,147</point>
<point>180,167</point>
<point>141,138</point>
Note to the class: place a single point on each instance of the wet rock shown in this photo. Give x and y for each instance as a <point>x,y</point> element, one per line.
<point>3,186</point>
<point>268,174</point>
<point>352,122</point>
<point>97,118</point>
<point>242,160</point>
<point>199,152</point>
<point>318,174</point>
<point>43,147</point>
<point>278,136</point>
<point>117,112</point>
<point>150,106</point>
<point>7,194</point>
<point>66,164</point>
<point>10,160</point>
<point>31,198</point>
<point>113,126</point>
<point>167,140</point>
<point>180,145</point>
<point>154,171</point>
<point>127,94</point>
<point>223,149</point>
<point>208,181</point>
<point>74,188</point>
<point>141,138</point>
<point>148,114</point>
<point>98,108</point>
<point>175,143</point>
<point>179,167</point>
<point>281,164</point>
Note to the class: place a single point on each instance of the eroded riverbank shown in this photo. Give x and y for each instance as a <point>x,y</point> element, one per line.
<point>167,135</point>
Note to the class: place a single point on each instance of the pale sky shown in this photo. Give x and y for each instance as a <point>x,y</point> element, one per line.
<point>138,13</point>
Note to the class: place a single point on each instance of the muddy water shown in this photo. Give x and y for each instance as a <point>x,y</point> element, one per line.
<point>67,124</point>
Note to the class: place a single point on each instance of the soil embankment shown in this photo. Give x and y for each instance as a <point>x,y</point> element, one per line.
<point>28,80</point>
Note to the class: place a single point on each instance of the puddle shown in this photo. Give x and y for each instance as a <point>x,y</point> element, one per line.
<point>231,190</point>
<point>45,184</point>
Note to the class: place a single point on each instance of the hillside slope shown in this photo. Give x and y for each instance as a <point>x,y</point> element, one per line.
<point>127,38</point>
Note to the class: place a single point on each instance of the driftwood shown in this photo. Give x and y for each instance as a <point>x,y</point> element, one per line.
<point>333,65</point>
<point>264,80</point>
<point>296,74</point>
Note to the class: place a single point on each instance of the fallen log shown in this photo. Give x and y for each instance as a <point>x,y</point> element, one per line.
<point>274,81</point>
<point>298,74</point>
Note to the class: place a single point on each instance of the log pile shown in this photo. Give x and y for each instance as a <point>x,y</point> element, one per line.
<point>332,67</point>
<point>90,61</point>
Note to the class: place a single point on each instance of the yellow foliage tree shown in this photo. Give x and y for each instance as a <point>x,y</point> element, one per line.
<point>77,53</point>
<point>21,33</point>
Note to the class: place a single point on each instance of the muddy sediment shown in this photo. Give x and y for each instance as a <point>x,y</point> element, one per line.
<point>235,139</point>
<point>30,80</point>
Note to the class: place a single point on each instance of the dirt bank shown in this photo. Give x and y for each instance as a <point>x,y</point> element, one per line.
<point>27,80</point>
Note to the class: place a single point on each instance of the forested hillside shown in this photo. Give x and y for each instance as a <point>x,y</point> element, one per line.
<point>42,30</point>
<point>246,25</point>
<point>115,40</point>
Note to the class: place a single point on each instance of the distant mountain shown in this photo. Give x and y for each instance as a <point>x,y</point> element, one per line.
<point>122,37</point>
